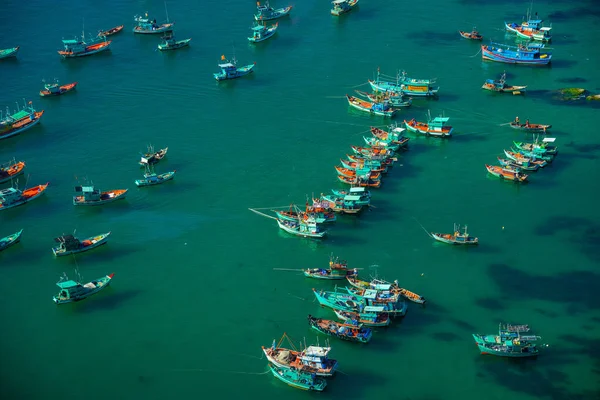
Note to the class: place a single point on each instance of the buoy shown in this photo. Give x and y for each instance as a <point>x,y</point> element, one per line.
<point>422,274</point>
<point>502,228</point>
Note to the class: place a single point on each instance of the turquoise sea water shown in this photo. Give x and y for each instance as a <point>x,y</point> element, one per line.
<point>195,292</point>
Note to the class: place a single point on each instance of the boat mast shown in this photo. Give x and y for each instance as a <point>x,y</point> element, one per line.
<point>166,12</point>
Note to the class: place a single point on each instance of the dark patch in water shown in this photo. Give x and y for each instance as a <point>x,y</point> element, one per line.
<point>490,303</point>
<point>432,36</point>
<point>446,336</point>
<point>563,63</point>
<point>572,80</point>
<point>107,299</point>
<point>574,13</point>
<point>546,313</point>
<point>582,233</point>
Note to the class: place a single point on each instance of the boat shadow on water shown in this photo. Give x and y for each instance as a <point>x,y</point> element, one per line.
<point>110,299</point>
<point>81,63</point>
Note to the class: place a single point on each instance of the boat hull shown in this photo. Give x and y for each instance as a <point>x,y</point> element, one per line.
<point>11,171</point>
<point>97,241</point>
<point>36,119</point>
<point>8,53</point>
<point>243,71</point>
<point>162,178</point>
<point>178,45</point>
<point>90,50</point>
<point>298,232</point>
<point>337,11</point>
<point>495,56</point>
<point>31,193</point>
<point>275,14</point>
<point>405,90</point>
<point>112,31</point>
<point>421,128</point>
<point>62,90</point>
<point>10,240</point>
<point>163,28</point>
<point>269,33</point>
<point>80,201</point>
<point>319,384</point>
<point>103,282</point>
<point>440,237</point>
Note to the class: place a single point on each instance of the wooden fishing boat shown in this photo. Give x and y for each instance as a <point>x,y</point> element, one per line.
<point>456,238</point>
<point>298,379</point>
<point>7,53</point>
<point>371,316</point>
<point>372,165</point>
<point>340,204</point>
<point>473,35</point>
<point>294,213</point>
<point>382,294</point>
<point>412,296</point>
<point>376,142</point>
<point>358,283</point>
<point>384,160</point>
<point>13,197</point>
<point>523,159</point>
<point>358,181</point>
<point>381,109</point>
<point>312,359</point>
<point>111,31</point>
<point>365,195</point>
<point>69,244</point>
<point>80,48</point>
<point>342,6</point>
<point>511,341</point>
<point>11,170</point>
<point>348,332</point>
<point>536,147</point>
<point>518,165</point>
<point>152,178</point>
<point>71,291</point>
<point>339,301</point>
<point>395,99</point>
<point>90,196</point>
<point>506,174</point>
<point>337,270</point>
<point>302,228</point>
<point>406,85</point>
<point>54,89</point>
<point>365,173</point>
<point>501,86</point>
<point>10,240</point>
<point>146,26</point>
<point>372,151</point>
<point>261,32</point>
<point>531,29</point>
<point>433,127</point>
<point>170,43</point>
<point>394,135</point>
<point>230,70</point>
<point>529,128</point>
<point>526,55</point>
<point>19,121</point>
<point>266,13</point>
<point>152,157</point>
<point>378,284</point>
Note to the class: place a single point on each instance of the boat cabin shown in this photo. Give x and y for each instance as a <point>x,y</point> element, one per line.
<point>373,310</point>
<point>70,289</point>
<point>89,193</point>
<point>68,242</point>
<point>74,46</point>
<point>315,357</point>
<point>9,195</point>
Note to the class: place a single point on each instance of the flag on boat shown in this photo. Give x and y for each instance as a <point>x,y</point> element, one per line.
<point>223,57</point>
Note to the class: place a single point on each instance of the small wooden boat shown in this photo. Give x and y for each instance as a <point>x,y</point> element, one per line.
<point>342,6</point>
<point>395,99</point>
<point>313,359</point>
<point>372,165</point>
<point>11,170</point>
<point>405,85</point>
<point>381,109</point>
<point>531,29</point>
<point>348,332</point>
<point>81,48</point>
<point>365,173</point>
<point>230,70</point>
<point>340,204</point>
<point>146,26</point>
<point>71,291</point>
<point>339,300</point>
<point>501,86</point>
<point>298,379</point>
<point>384,293</point>
<point>473,35</point>
<point>69,244</point>
<point>394,135</point>
<point>13,197</point>
<point>358,181</point>
<point>169,42</point>
<point>20,121</point>
<point>525,55</point>
<point>384,160</point>
<point>378,284</point>
<point>543,148</point>
<point>371,316</point>
<point>506,174</point>
<point>266,13</point>
<point>456,237</point>
<point>511,341</point>
<point>518,165</point>
<point>337,270</point>
<point>294,213</point>
<point>412,296</point>
<point>54,89</point>
<point>152,157</point>
<point>111,31</point>
<point>261,32</point>
<point>302,228</point>
<point>365,195</point>
<point>376,142</point>
<point>523,159</point>
<point>90,196</point>
<point>433,127</point>
<point>534,157</point>
<point>372,151</point>
<point>9,240</point>
<point>151,178</point>
<point>7,53</point>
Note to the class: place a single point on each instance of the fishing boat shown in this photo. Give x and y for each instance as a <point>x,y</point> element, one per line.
<point>506,173</point>
<point>412,296</point>
<point>501,86</point>
<point>261,32</point>
<point>536,147</point>
<point>373,165</point>
<point>13,197</point>
<point>230,70</point>
<point>90,196</point>
<point>511,341</point>
<point>531,29</point>
<point>294,213</point>
<point>312,359</point>
<point>530,159</point>
<point>405,85</point>
<point>455,238</point>
<point>379,284</point>
<point>352,333</point>
<point>365,195</point>
<point>530,54</point>
<point>71,291</point>
<point>337,270</point>
<point>11,170</point>
<point>54,89</point>
<point>146,26</point>
<point>265,12</point>
<point>152,178</point>
<point>384,160</point>
<point>473,35</point>
<point>518,165</point>
<point>152,157</point>
<point>9,240</point>
<point>381,109</point>
<point>372,151</point>
<point>395,99</point>
<point>302,228</point>
<point>7,53</point>
<point>394,135</point>
<point>364,173</point>
<point>359,181</point>
<point>111,31</point>
<point>80,48</point>
<point>69,244</point>
<point>170,43</point>
<point>376,142</point>
<point>433,127</point>
<point>340,204</point>
<point>342,6</point>
<point>384,296</point>
<point>529,128</point>
<point>371,316</point>
<point>339,300</point>
<point>299,379</point>
<point>19,121</point>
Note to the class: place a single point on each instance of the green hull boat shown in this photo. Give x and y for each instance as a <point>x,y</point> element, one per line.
<point>71,291</point>
<point>9,240</point>
<point>511,341</point>
<point>298,379</point>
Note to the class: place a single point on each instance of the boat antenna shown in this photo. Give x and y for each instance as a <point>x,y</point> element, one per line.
<point>166,12</point>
